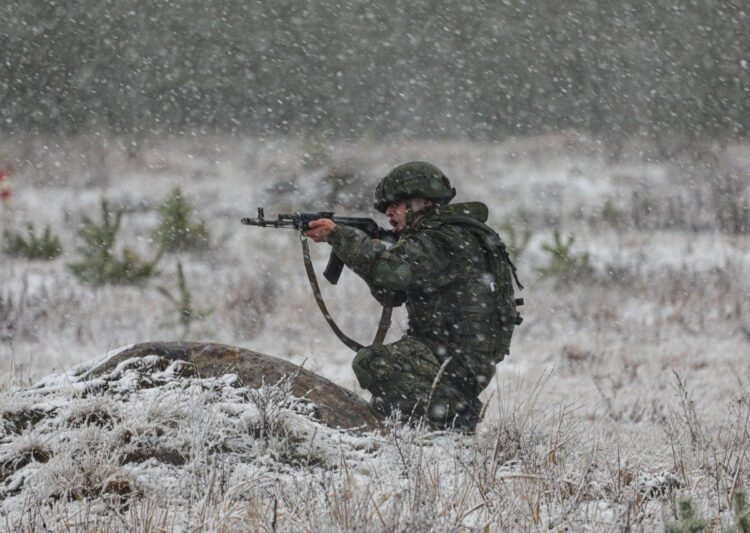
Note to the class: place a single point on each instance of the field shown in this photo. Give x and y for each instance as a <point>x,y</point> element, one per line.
<point>625,391</point>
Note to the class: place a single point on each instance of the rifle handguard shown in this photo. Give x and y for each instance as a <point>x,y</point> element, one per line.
<point>301,221</point>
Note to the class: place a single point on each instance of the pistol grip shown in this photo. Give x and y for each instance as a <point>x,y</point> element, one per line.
<point>333,269</point>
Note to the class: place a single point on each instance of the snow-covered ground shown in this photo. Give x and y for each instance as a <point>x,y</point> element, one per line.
<point>625,387</point>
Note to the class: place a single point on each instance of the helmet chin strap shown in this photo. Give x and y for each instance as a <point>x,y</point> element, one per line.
<point>411,214</point>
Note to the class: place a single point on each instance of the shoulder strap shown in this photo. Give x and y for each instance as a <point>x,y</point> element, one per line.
<point>458,219</point>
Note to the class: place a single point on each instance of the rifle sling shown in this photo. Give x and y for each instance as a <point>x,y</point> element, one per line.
<point>383,324</point>
<point>385,317</point>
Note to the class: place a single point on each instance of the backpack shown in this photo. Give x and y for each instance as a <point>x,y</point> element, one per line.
<point>503,273</point>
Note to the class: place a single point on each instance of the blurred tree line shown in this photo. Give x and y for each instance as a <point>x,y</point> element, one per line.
<point>432,68</point>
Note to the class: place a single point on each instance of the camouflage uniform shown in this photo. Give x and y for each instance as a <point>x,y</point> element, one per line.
<point>439,269</point>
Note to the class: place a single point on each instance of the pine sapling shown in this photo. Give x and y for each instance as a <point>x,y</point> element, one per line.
<point>741,513</point>
<point>611,213</point>
<point>177,230</point>
<point>687,521</point>
<point>98,263</point>
<point>183,304</point>
<point>564,265</point>
<point>44,247</point>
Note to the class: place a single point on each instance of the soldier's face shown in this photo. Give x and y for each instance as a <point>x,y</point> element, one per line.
<point>396,212</point>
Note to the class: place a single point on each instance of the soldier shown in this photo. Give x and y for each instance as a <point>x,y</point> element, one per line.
<point>455,277</point>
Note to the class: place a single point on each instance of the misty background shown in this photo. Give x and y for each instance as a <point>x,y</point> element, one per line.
<point>426,68</point>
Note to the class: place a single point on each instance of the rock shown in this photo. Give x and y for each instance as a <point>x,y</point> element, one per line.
<point>335,406</point>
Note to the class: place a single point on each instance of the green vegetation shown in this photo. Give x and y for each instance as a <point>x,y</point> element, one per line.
<point>177,231</point>
<point>687,521</point>
<point>564,265</point>
<point>734,216</point>
<point>44,247</point>
<point>741,513</point>
<point>183,304</point>
<point>98,263</point>
<point>515,242</point>
<point>611,214</point>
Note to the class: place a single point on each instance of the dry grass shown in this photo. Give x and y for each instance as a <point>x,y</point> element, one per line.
<point>622,392</point>
<point>531,467</point>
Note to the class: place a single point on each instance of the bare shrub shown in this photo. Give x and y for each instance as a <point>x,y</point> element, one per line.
<point>140,442</point>
<point>717,198</point>
<point>248,304</point>
<point>576,356</point>
<point>83,470</point>
<point>182,304</point>
<point>21,313</point>
<point>621,406</point>
<point>518,421</point>
<point>18,457</point>
<point>98,411</point>
<point>17,419</point>
<point>270,400</point>
<point>348,187</point>
<point>277,431</point>
<point>730,199</point>
<point>678,211</point>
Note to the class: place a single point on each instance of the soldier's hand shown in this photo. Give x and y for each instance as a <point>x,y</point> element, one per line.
<point>320,229</point>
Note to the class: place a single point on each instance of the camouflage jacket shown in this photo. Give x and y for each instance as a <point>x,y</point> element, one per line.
<point>439,270</point>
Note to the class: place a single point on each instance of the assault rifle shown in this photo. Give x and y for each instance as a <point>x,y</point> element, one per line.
<point>301,221</point>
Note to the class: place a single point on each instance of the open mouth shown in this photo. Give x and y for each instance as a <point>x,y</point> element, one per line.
<point>393,222</point>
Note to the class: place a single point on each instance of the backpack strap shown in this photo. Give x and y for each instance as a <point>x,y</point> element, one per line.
<point>458,219</point>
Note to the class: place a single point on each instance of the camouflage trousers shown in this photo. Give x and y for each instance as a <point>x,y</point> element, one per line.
<point>400,377</point>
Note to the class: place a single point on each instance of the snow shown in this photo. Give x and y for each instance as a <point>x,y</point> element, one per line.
<point>605,350</point>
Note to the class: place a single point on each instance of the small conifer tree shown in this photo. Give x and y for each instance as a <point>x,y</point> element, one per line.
<point>687,521</point>
<point>564,265</point>
<point>741,513</point>
<point>177,230</point>
<point>98,263</point>
<point>45,247</point>
<point>610,213</point>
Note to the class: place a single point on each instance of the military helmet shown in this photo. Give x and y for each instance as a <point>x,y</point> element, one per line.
<point>416,179</point>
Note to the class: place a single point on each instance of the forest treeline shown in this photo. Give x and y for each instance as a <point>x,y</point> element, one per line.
<point>477,69</point>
